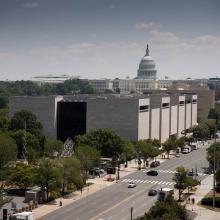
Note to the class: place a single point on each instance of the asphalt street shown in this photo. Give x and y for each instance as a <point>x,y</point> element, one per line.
<point>115,202</point>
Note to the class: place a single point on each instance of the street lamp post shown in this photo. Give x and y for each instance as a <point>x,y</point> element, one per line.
<point>214,166</point>
<point>118,169</point>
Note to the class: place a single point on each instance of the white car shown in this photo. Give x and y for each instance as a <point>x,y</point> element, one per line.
<point>131,185</point>
<point>177,155</point>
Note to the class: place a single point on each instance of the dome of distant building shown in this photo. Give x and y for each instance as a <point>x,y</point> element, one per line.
<point>147,69</point>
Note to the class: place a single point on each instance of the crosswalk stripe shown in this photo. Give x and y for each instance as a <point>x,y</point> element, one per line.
<point>141,181</point>
<point>163,183</point>
<point>160,182</point>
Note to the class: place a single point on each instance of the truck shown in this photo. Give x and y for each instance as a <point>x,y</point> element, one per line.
<point>163,193</point>
<point>23,216</point>
<point>194,146</point>
<point>187,149</point>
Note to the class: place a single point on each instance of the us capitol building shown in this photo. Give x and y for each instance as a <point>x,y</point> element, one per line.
<point>146,80</point>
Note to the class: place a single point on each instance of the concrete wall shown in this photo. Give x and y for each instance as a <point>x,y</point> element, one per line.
<point>181,117</point>
<point>194,110</point>
<point>118,114</point>
<point>44,107</point>
<point>173,119</point>
<point>165,120</point>
<point>188,115</point>
<point>155,124</point>
<point>143,120</point>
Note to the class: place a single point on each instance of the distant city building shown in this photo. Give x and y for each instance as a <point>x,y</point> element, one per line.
<point>52,79</point>
<point>135,117</point>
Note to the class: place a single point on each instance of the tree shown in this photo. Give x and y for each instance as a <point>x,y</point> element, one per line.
<point>26,120</point>
<point>191,182</point>
<point>105,140</point>
<point>127,152</point>
<point>200,131</point>
<point>52,146</point>
<point>4,120</point>
<point>180,179</point>
<point>88,156</point>
<point>48,176</point>
<point>180,142</point>
<point>166,210</point>
<point>8,150</point>
<point>22,176</point>
<point>3,102</point>
<point>169,144</point>
<point>70,173</point>
<point>30,141</point>
<point>210,153</point>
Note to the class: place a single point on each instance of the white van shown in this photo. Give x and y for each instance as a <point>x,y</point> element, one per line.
<point>163,193</point>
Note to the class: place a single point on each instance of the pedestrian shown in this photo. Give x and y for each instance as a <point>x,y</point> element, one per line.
<point>189,200</point>
<point>61,203</point>
<point>193,201</point>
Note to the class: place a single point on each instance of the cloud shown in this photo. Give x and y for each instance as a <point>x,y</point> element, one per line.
<point>147,25</point>
<point>207,40</point>
<point>30,5</point>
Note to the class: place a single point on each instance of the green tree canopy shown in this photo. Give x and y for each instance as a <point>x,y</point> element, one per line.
<point>26,120</point>
<point>166,210</point>
<point>70,173</point>
<point>22,176</point>
<point>170,144</point>
<point>52,146</point>
<point>210,152</point>
<point>88,156</point>
<point>180,178</point>
<point>30,141</point>
<point>48,176</point>
<point>105,140</point>
<point>200,131</point>
<point>8,150</point>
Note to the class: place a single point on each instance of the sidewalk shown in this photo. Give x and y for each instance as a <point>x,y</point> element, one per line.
<point>98,184</point>
<point>201,212</point>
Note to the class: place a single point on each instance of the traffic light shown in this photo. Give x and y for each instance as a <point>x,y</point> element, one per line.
<point>5,214</point>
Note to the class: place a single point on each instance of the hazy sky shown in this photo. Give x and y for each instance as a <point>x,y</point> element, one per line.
<point>107,38</point>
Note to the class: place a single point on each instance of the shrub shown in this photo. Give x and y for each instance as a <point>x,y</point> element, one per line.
<point>208,201</point>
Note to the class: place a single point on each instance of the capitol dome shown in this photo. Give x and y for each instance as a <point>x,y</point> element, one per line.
<point>147,69</point>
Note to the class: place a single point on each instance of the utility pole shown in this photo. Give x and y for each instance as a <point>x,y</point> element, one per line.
<point>214,167</point>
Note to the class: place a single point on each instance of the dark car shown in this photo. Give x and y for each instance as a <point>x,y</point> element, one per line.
<point>155,163</point>
<point>152,192</point>
<point>152,173</point>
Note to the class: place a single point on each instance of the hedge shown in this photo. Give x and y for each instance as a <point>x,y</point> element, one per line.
<point>209,201</point>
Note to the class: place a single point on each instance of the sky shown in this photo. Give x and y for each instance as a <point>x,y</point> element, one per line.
<point>107,38</point>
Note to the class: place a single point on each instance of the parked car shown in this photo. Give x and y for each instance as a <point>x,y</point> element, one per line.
<point>155,163</point>
<point>152,192</point>
<point>177,155</point>
<point>152,173</point>
<point>131,185</point>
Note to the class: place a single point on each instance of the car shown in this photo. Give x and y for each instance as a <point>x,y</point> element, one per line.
<point>177,155</point>
<point>152,173</point>
<point>152,192</point>
<point>131,185</point>
<point>190,173</point>
<point>155,163</point>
